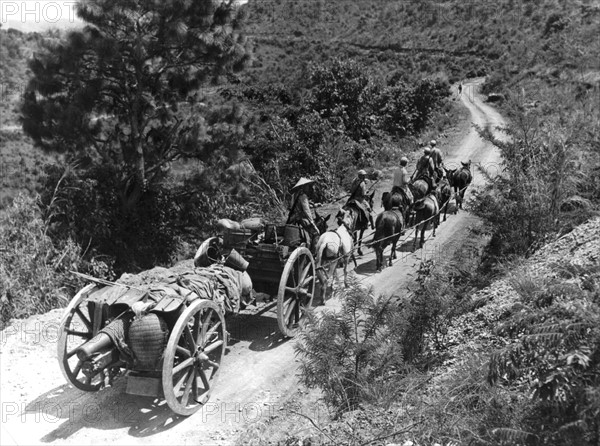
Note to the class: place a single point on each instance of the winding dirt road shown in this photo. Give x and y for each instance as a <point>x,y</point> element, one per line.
<point>259,370</point>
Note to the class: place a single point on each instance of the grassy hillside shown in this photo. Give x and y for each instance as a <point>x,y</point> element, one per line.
<point>20,162</point>
<point>530,44</point>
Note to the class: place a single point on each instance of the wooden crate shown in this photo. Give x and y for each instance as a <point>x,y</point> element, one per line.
<point>266,263</point>
<point>237,240</point>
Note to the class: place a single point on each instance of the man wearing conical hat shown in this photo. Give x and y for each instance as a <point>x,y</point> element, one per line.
<point>300,212</point>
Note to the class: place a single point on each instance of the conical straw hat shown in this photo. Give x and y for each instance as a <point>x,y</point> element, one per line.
<point>301,182</point>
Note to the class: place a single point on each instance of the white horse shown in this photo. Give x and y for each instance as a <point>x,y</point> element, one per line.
<point>332,247</point>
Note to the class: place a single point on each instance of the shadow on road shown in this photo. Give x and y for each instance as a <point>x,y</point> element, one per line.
<point>73,410</point>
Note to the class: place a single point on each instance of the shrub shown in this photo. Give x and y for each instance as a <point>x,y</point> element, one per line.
<point>345,354</point>
<point>34,273</point>
<point>553,354</point>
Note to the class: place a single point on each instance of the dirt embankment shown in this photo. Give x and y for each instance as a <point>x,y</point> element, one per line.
<point>258,379</point>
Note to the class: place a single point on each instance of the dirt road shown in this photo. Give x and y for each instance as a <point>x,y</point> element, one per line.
<point>259,370</point>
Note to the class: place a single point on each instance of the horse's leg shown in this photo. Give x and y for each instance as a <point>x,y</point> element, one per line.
<point>345,271</point>
<point>416,237</point>
<point>423,234</point>
<point>446,208</point>
<point>362,231</point>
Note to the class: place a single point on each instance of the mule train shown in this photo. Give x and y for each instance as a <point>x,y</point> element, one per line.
<point>400,214</point>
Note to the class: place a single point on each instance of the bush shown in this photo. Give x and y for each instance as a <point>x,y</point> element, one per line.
<point>347,354</point>
<point>359,354</point>
<point>34,273</point>
<point>553,354</point>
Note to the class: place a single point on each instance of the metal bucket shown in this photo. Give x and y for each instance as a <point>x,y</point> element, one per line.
<point>236,261</point>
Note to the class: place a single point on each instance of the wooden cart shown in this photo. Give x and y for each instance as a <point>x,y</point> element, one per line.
<point>189,361</point>
<point>280,265</point>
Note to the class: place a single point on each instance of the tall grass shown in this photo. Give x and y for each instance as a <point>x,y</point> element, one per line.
<point>34,273</point>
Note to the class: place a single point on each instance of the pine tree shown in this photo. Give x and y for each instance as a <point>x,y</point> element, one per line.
<point>125,88</point>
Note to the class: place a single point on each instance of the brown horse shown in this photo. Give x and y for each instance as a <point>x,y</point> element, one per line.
<point>426,210</point>
<point>460,179</point>
<point>388,227</point>
<point>443,192</point>
<point>419,188</point>
<point>358,222</point>
<point>396,200</point>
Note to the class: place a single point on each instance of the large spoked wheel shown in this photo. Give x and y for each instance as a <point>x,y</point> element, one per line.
<point>193,357</point>
<point>296,291</point>
<point>77,327</point>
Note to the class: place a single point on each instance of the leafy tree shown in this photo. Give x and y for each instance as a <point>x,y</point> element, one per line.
<point>124,90</point>
<point>345,94</point>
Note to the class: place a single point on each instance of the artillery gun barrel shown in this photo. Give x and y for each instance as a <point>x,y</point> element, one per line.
<point>98,343</point>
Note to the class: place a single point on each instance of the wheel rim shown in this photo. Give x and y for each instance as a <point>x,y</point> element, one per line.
<point>296,291</point>
<point>76,329</point>
<point>193,357</point>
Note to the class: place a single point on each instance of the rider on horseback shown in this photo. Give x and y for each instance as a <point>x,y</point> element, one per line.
<point>358,195</point>
<point>401,181</point>
<point>425,169</point>
<point>300,212</point>
<point>438,163</point>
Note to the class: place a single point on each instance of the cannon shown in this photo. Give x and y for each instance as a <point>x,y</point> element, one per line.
<point>168,337</point>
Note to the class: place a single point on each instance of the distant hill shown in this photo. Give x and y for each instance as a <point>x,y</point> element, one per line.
<point>509,38</point>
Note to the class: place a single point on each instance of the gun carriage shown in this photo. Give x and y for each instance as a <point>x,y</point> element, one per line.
<point>166,328</point>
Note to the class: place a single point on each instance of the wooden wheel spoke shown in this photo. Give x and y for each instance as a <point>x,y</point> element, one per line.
<point>191,378</point>
<point>84,319</point>
<point>72,352</point>
<point>209,333</point>
<point>183,351</point>
<point>183,365</point>
<point>213,346</point>
<point>196,327</point>
<point>189,339</point>
<point>291,290</point>
<point>179,383</point>
<point>303,274</point>
<point>213,364</point>
<point>195,388</point>
<point>289,309</point>
<point>204,379</point>
<point>307,280</point>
